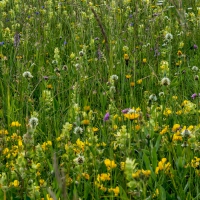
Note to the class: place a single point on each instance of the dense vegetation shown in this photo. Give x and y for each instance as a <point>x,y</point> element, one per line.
<point>99,99</point>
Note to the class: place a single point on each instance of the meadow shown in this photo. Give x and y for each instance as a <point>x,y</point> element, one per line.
<point>99,99</point>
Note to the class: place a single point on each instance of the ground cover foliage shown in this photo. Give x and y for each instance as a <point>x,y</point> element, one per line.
<point>99,99</point>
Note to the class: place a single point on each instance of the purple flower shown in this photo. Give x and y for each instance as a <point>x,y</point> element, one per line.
<point>195,95</point>
<point>45,77</point>
<point>195,46</point>
<point>106,117</point>
<point>1,43</point>
<point>125,110</point>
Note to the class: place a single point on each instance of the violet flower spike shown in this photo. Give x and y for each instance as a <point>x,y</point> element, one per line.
<point>194,96</point>
<point>106,117</point>
<point>125,110</point>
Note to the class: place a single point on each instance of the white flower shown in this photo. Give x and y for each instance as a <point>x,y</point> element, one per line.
<point>79,160</point>
<point>114,77</point>
<point>168,36</point>
<point>27,75</point>
<point>33,122</point>
<point>165,81</point>
<point>195,68</point>
<point>161,94</point>
<point>152,97</point>
<point>78,130</point>
<point>186,133</point>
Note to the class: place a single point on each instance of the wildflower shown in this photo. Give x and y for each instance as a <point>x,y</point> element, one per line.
<point>139,81</point>
<point>45,77</point>
<point>165,81</point>
<point>126,110</point>
<point>27,75</point>
<point>103,177</point>
<point>122,165</point>
<point>176,127</point>
<point>110,164</point>
<point>86,176</point>
<point>144,60</point>
<point>78,130</point>
<point>196,77</point>
<point>1,43</point>
<point>125,48</point>
<point>86,108</point>
<point>132,84</point>
<point>168,36</point>
<point>79,160</point>
<point>114,77</point>
<point>95,129</point>
<point>152,97</point>
<point>85,122</point>
<point>15,183</point>
<point>194,95</point>
<point>17,124</point>
<point>72,55</point>
<point>131,116</point>
<point>195,68</point>
<point>115,190</point>
<point>195,46</point>
<point>112,89</point>
<point>179,53</point>
<point>81,53</point>
<point>107,116</point>
<point>126,57</point>
<point>186,133</point>
<point>33,122</point>
<point>128,76</point>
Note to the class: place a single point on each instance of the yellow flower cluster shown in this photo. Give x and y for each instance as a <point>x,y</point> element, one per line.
<point>103,177</point>
<point>46,145</point>
<point>110,164</point>
<point>141,173</point>
<point>15,124</point>
<point>115,190</point>
<point>163,166</point>
<point>164,130</point>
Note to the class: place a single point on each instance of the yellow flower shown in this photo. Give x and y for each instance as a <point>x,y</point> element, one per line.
<point>85,122</point>
<point>126,57</point>
<point>131,116</point>
<point>167,112</point>
<point>110,164</point>
<point>179,53</point>
<point>179,112</point>
<point>86,108</point>
<point>116,191</point>
<point>16,183</point>
<point>41,181</point>
<point>95,129</point>
<point>122,165</point>
<point>139,81</point>
<point>72,55</point>
<point>175,127</point>
<point>144,60</point>
<point>146,172</point>
<point>128,76</point>
<point>17,124</point>
<point>174,97</point>
<point>132,84</point>
<point>49,86</point>
<point>86,176</point>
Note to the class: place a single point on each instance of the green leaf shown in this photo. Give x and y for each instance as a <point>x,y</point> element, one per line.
<point>154,157</point>
<point>123,193</point>
<point>157,145</point>
<point>162,193</point>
